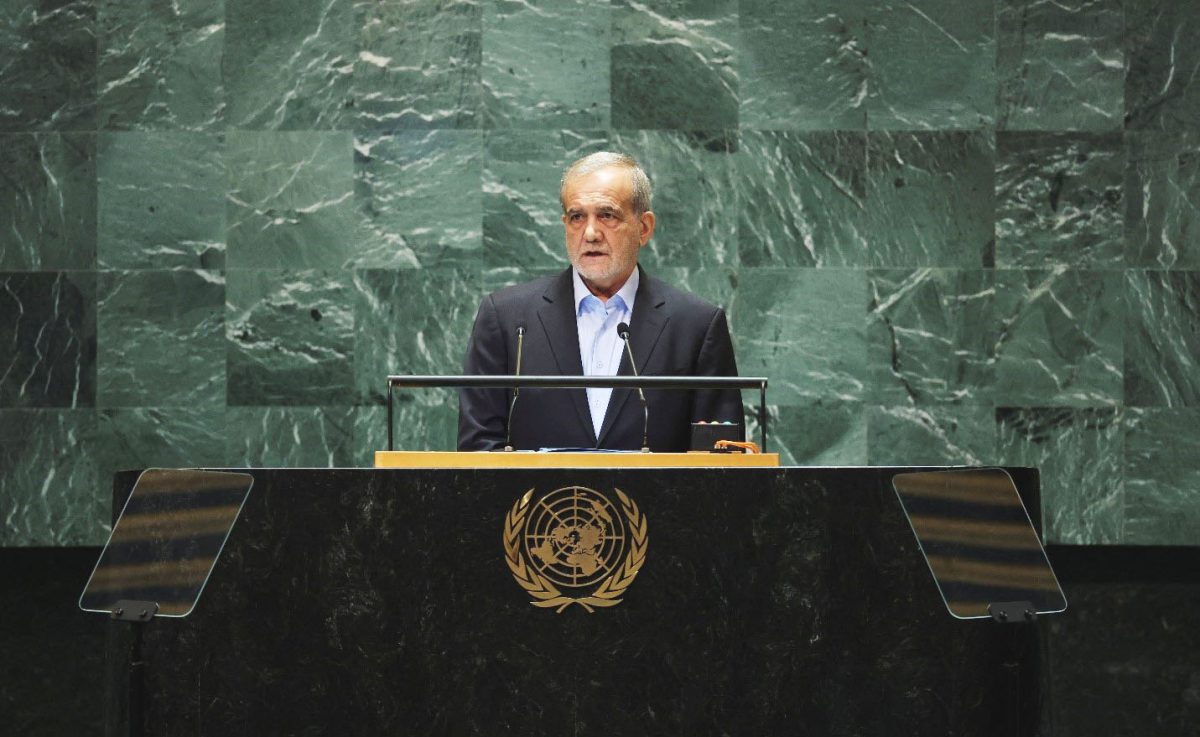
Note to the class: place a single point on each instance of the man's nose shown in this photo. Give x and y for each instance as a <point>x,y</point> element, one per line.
<point>591,232</point>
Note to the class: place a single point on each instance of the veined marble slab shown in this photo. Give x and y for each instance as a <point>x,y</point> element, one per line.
<point>160,65</point>
<point>48,339</point>
<point>418,65</point>
<point>161,339</point>
<point>47,201</point>
<point>1061,65</point>
<point>48,66</point>
<point>803,64</point>
<point>1058,200</point>
<point>418,194</point>
<point>162,201</point>
<point>290,338</point>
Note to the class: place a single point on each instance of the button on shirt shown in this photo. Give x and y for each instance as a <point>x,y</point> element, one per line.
<point>600,348</point>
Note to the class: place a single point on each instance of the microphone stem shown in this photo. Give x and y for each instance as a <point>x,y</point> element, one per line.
<point>516,392</point>
<point>642,394</point>
<point>645,423</point>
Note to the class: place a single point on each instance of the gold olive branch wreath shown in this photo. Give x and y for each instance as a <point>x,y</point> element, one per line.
<point>545,594</point>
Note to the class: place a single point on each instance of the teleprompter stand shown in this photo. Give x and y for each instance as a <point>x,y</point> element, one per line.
<point>986,558</point>
<point>137,613</point>
<point>160,554</point>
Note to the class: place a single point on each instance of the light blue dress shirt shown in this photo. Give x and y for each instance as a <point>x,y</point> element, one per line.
<point>600,348</point>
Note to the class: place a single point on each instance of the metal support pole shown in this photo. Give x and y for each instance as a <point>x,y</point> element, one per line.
<point>391,437</point>
<point>762,414</point>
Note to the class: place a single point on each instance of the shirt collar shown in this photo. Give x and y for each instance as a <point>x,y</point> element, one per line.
<point>627,292</point>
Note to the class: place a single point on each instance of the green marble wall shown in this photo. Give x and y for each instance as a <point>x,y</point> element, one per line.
<point>950,231</point>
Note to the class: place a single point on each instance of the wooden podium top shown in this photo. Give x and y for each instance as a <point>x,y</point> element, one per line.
<point>525,459</point>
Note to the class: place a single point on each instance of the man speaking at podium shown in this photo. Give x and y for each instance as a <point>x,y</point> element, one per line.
<point>567,324</point>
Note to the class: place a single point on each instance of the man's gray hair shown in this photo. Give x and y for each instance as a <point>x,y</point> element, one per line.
<point>602,160</point>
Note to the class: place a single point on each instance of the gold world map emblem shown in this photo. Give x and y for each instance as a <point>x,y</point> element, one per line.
<point>575,546</point>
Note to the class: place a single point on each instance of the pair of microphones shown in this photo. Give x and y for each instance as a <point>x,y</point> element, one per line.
<point>623,333</point>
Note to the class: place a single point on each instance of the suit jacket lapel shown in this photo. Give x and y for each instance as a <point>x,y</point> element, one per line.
<point>645,326</point>
<point>557,315</point>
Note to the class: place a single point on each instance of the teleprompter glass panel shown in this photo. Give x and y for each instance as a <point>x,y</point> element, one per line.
<point>167,540</point>
<point>978,541</point>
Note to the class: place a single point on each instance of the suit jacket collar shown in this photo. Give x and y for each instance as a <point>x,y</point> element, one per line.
<point>557,315</point>
<point>645,326</point>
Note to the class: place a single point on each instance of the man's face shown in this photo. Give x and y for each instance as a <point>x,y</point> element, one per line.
<point>603,232</point>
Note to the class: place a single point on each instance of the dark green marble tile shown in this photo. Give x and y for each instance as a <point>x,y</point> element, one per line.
<point>48,201</point>
<point>803,199</point>
<point>1162,475</point>
<point>805,329</point>
<point>418,64</point>
<point>160,64</point>
<point>933,436</point>
<point>161,201</point>
<point>1161,89</point>
<point>1061,65</point>
<point>930,336</point>
<point>695,195</point>
<point>418,426</point>
<point>933,64</point>
<point>48,339</point>
<point>161,338</point>
<point>290,338</point>
<point>674,64</point>
<point>802,64</point>
<point>1059,339</point>
<point>1162,206</point>
<point>1162,343</point>
<point>545,65</point>
<point>159,437</point>
<point>48,65</point>
<point>419,196</point>
<point>411,322</point>
<point>1079,455</point>
<point>824,433</point>
<point>288,63</point>
<point>290,203</point>
<point>289,437</point>
<point>522,214</point>
<point>930,199</point>
<point>1058,200</point>
<point>52,492</point>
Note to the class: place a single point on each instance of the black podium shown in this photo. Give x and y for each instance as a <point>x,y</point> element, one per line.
<point>765,601</point>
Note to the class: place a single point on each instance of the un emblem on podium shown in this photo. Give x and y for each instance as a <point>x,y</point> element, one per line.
<point>575,546</point>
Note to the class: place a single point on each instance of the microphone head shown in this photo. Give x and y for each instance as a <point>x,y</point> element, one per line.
<point>520,328</point>
<point>623,330</point>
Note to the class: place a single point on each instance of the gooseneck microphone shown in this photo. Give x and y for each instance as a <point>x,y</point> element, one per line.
<point>516,391</point>
<point>623,331</point>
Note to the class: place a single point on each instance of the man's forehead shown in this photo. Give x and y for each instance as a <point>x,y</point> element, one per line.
<point>595,200</point>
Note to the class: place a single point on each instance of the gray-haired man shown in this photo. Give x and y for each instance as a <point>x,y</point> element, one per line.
<point>569,323</point>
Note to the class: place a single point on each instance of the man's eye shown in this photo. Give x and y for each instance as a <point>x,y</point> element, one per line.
<point>607,215</point>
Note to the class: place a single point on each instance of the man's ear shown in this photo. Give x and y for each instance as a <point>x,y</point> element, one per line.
<point>646,221</point>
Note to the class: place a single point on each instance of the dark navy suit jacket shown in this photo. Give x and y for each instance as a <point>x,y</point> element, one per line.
<point>672,333</point>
